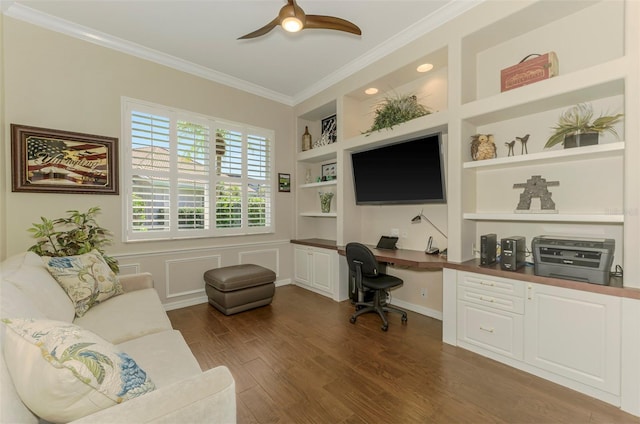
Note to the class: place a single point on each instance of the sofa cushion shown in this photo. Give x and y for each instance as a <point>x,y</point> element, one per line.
<point>86,278</point>
<point>15,303</point>
<point>27,272</point>
<point>128,316</point>
<point>165,356</point>
<point>72,372</point>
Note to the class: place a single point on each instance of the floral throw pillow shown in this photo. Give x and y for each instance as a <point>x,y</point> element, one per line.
<point>63,372</point>
<point>87,279</point>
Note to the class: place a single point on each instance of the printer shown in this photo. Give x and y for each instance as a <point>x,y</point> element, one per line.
<point>587,260</point>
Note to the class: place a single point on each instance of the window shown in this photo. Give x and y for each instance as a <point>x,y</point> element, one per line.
<point>193,176</point>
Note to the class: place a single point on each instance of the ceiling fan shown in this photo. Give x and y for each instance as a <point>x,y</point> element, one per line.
<point>293,19</point>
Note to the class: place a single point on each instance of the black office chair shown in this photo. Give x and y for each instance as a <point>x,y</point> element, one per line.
<point>363,269</point>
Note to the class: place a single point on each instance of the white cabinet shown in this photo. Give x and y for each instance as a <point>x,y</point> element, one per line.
<point>574,334</point>
<point>317,269</point>
<point>489,314</point>
<point>571,337</point>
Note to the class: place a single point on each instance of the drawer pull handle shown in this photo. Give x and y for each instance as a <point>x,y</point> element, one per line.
<point>487,299</point>
<point>488,330</point>
<point>482,283</point>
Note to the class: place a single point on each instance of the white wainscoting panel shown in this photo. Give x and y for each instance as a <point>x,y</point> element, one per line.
<point>268,258</point>
<point>186,274</point>
<point>128,269</point>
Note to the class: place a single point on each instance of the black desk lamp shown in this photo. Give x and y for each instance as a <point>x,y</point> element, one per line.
<point>416,219</point>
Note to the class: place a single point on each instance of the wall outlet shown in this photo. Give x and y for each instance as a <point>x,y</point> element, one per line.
<point>395,232</point>
<point>423,292</point>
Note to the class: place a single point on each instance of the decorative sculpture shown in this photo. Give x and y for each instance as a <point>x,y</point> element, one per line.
<point>510,145</point>
<point>483,147</point>
<point>523,140</point>
<point>536,187</point>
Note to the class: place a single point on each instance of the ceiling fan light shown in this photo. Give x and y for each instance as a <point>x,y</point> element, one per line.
<point>291,24</point>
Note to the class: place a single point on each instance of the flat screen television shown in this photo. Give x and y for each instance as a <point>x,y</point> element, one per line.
<point>408,172</point>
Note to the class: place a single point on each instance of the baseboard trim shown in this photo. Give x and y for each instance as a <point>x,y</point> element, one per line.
<point>417,308</point>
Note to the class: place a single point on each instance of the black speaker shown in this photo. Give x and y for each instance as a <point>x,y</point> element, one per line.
<point>488,247</point>
<point>513,253</point>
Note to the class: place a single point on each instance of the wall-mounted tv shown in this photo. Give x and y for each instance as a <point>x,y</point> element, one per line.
<point>408,172</point>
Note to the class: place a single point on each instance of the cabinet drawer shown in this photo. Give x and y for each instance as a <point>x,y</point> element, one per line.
<point>497,331</point>
<point>491,300</point>
<point>492,284</point>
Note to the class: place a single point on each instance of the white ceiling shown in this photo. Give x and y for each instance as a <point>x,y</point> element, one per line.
<point>200,36</point>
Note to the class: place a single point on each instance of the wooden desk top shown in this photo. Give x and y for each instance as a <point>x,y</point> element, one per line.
<point>404,257</point>
<point>419,259</point>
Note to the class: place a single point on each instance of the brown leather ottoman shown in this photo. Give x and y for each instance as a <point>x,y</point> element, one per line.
<point>237,288</point>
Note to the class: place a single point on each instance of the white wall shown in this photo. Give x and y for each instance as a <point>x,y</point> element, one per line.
<point>54,81</point>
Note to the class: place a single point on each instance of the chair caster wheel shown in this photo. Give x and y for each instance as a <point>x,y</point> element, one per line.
<point>352,320</point>
<point>384,327</point>
<point>404,318</point>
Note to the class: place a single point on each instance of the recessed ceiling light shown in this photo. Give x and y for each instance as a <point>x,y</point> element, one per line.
<point>425,67</point>
<point>371,90</point>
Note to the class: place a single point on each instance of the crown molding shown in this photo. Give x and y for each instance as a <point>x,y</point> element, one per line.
<point>413,32</point>
<point>44,20</point>
<point>420,28</point>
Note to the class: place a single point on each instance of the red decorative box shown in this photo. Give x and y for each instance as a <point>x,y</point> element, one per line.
<point>529,71</point>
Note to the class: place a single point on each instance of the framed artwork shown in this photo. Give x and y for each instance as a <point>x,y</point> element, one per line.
<point>54,161</point>
<point>284,182</point>
<point>329,171</point>
<point>329,129</point>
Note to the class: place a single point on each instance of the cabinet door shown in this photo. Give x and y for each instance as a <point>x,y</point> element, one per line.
<point>491,329</point>
<point>574,334</point>
<point>322,271</point>
<point>302,265</point>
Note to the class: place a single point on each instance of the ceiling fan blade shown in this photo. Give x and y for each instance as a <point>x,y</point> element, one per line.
<point>262,31</point>
<point>331,22</point>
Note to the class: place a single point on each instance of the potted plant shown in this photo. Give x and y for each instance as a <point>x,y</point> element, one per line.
<point>75,235</point>
<point>396,110</point>
<point>576,127</point>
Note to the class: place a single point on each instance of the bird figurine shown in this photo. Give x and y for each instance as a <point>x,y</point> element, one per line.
<point>483,147</point>
<point>510,146</point>
<point>523,140</point>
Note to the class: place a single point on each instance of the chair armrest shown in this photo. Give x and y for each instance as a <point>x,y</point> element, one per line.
<point>206,398</point>
<point>132,282</point>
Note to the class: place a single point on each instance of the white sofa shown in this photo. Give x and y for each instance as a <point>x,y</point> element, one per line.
<point>136,323</point>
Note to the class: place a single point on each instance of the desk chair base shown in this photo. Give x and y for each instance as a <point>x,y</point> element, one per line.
<point>380,307</point>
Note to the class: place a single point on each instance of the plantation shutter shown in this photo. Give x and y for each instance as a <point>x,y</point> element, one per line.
<point>258,180</point>
<point>150,163</point>
<point>192,176</point>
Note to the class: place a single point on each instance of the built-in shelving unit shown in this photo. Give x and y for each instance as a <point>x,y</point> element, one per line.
<point>463,94</point>
<point>597,43</point>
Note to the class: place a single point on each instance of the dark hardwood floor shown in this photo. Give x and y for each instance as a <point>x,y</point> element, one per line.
<point>299,360</point>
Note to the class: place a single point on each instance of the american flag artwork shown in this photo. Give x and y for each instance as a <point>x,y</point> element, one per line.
<point>55,161</point>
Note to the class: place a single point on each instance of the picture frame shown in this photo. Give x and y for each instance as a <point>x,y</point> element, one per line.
<point>284,183</point>
<point>329,171</point>
<point>329,126</point>
<point>47,160</point>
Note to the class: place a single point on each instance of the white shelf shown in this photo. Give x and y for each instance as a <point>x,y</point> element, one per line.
<point>320,184</point>
<point>586,85</point>
<point>320,214</point>
<point>546,217</point>
<point>428,124</point>
<point>319,154</point>
<point>552,156</point>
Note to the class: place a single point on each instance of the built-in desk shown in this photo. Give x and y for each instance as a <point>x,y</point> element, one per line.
<point>419,259</point>
<point>405,257</point>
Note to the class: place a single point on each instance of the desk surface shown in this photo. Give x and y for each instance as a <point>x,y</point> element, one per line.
<point>419,259</point>
<point>410,258</point>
